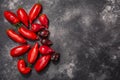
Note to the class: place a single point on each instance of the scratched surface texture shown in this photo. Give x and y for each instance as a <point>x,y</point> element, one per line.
<point>85,32</point>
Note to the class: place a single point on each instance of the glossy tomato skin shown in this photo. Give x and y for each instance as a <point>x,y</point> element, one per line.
<point>27,33</point>
<point>11,17</point>
<point>23,17</point>
<point>36,27</point>
<point>15,37</point>
<point>34,12</point>
<point>33,54</point>
<point>19,50</point>
<point>42,62</point>
<point>22,67</point>
<point>45,50</point>
<point>44,20</point>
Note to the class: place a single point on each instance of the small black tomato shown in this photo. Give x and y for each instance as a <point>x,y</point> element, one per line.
<point>44,33</point>
<point>55,57</point>
<point>46,42</point>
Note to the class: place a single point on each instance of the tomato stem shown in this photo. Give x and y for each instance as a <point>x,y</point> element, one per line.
<point>39,14</point>
<point>29,65</point>
<point>19,6</point>
<point>21,57</point>
<point>17,25</point>
<point>39,1</point>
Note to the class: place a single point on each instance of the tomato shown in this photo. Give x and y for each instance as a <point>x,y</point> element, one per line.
<point>22,67</point>
<point>33,54</point>
<point>44,50</point>
<point>46,42</point>
<point>34,12</point>
<point>44,20</point>
<point>44,33</point>
<point>19,50</point>
<point>36,27</point>
<point>11,17</point>
<point>15,37</point>
<point>42,62</point>
<point>22,15</point>
<point>27,33</point>
<point>55,57</point>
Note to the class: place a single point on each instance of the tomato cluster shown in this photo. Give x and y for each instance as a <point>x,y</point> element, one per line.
<point>27,29</point>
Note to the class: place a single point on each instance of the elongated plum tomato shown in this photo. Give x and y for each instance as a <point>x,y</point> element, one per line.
<point>33,54</point>
<point>34,12</point>
<point>44,20</point>
<point>11,17</point>
<point>42,62</point>
<point>27,33</point>
<point>37,27</point>
<point>19,50</point>
<point>22,67</point>
<point>15,37</point>
<point>44,50</point>
<point>22,15</point>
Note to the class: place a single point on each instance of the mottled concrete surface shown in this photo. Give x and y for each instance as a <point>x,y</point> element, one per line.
<point>85,32</point>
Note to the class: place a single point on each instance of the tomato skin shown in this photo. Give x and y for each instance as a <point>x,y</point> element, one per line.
<point>46,42</point>
<point>19,50</point>
<point>36,27</point>
<point>34,12</point>
<point>44,33</point>
<point>11,17</point>
<point>42,63</point>
<point>44,20</point>
<point>45,50</point>
<point>22,15</point>
<point>15,37</point>
<point>27,33</point>
<point>22,67</point>
<point>33,54</point>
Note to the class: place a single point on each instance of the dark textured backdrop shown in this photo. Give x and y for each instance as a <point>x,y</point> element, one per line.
<point>85,32</point>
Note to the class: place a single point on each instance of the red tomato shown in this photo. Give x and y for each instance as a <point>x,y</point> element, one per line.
<point>36,27</point>
<point>11,17</point>
<point>33,54</point>
<point>34,12</point>
<point>44,50</point>
<point>42,63</point>
<point>44,20</point>
<point>22,15</point>
<point>22,67</point>
<point>19,50</point>
<point>27,33</point>
<point>16,37</point>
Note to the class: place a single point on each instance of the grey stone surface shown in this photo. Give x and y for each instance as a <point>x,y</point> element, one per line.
<point>85,32</point>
